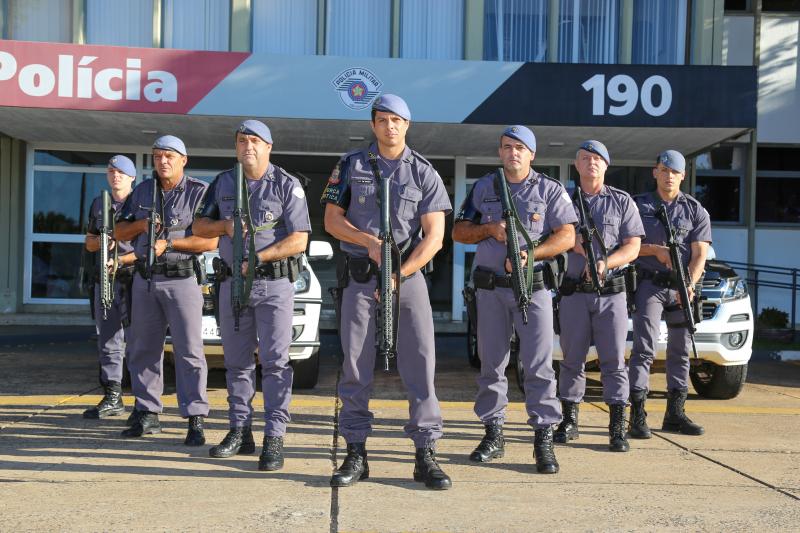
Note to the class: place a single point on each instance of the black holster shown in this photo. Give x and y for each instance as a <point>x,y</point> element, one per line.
<point>554,270</point>
<point>471,303</point>
<point>631,285</point>
<point>125,279</point>
<point>342,281</point>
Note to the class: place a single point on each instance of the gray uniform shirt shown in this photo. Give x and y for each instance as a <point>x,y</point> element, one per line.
<point>616,218</point>
<point>688,217</point>
<point>542,205</point>
<point>277,207</point>
<point>416,189</point>
<point>176,208</point>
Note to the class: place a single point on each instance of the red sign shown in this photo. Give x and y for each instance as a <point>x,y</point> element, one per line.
<point>109,78</point>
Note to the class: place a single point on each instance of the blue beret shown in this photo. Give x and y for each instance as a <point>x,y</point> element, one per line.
<point>523,135</point>
<point>596,147</point>
<point>672,159</point>
<point>257,128</point>
<point>391,103</point>
<point>123,164</point>
<point>170,142</point>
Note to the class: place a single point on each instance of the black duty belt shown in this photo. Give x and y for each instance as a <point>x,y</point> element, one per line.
<point>271,270</point>
<point>664,279</point>
<point>489,281</point>
<point>171,269</point>
<point>613,285</point>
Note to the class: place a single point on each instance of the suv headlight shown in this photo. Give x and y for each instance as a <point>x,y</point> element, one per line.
<point>735,290</point>
<point>303,283</point>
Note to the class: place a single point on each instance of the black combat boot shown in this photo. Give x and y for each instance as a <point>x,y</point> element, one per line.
<point>146,423</point>
<point>110,405</point>
<point>616,428</point>
<point>195,435</point>
<point>492,446</point>
<point>237,441</point>
<point>133,417</point>
<point>675,418</point>
<point>638,427</point>
<point>568,428</point>
<point>543,451</point>
<point>354,467</point>
<point>427,469</point>
<point>271,454</point>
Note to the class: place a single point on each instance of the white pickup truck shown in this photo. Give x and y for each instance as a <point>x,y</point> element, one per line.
<point>724,338</point>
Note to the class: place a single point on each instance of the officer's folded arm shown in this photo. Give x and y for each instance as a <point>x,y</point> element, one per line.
<point>337,225</point>
<point>210,228</point>
<point>433,234</point>
<point>625,254</point>
<point>467,232</point>
<point>560,240</point>
<point>195,244</point>
<point>127,230</point>
<point>293,244</point>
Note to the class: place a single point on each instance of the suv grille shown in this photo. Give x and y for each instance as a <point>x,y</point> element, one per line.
<point>709,310</point>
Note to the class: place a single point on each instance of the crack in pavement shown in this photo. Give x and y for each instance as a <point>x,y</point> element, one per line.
<point>44,410</point>
<point>334,523</point>
<point>718,463</point>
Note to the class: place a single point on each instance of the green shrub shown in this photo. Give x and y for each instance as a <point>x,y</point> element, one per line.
<point>770,317</point>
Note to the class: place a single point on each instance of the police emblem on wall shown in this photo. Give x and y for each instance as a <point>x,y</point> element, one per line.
<point>357,87</point>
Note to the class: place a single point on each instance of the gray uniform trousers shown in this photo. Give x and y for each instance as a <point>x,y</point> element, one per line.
<point>416,361</point>
<point>650,302</point>
<point>586,317</point>
<point>497,312</point>
<point>265,323</point>
<point>110,336</point>
<point>176,302</point>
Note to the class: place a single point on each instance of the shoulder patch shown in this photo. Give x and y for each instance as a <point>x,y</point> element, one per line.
<point>298,192</point>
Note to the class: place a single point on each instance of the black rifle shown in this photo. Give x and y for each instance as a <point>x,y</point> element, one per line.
<point>588,231</point>
<point>521,282</point>
<point>241,285</point>
<point>152,230</point>
<point>106,277</point>
<point>680,273</point>
<point>388,310</point>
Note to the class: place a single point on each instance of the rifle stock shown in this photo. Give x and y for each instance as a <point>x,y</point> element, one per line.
<point>521,279</point>
<point>587,239</point>
<point>237,280</point>
<point>106,278</point>
<point>387,312</point>
<point>681,274</point>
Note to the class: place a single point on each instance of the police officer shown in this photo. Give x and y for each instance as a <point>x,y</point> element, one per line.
<point>657,293</point>
<point>112,326</point>
<point>587,318</point>
<point>546,212</point>
<point>279,217</point>
<point>419,205</point>
<point>169,295</point>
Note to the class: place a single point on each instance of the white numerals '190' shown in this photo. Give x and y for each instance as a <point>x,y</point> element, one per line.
<point>621,89</point>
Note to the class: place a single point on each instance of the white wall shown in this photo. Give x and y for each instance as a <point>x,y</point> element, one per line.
<point>777,247</point>
<point>737,41</point>
<point>730,243</point>
<point>778,96</point>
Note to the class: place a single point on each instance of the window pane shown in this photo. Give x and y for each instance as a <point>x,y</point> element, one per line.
<point>720,196</point>
<point>61,200</point>
<point>197,24</point>
<point>56,269</point>
<point>83,159</point>
<point>359,28</point>
<point>778,200</point>
<point>515,30</point>
<point>40,20</point>
<point>432,30</point>
<point>659,32</point>
<point>119,22</point>
<point>588,31</point>
<point>722,158</point>
<point>285,26</point>
<point>784,6</point>
<point>776,158</point>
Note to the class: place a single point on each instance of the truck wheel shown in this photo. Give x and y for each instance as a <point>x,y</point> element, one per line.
<point>718,382</point>
<point>306,371</point>
<point>472,347</point>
